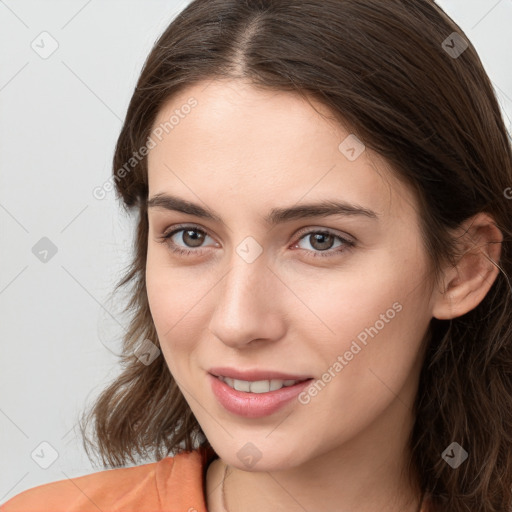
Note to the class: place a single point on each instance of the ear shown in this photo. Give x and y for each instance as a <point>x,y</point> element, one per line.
<point>466,284</point>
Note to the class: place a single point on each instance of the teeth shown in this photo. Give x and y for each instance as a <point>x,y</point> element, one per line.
<point>258,386</point>
<point>276,384</point>
<point>241,385</point>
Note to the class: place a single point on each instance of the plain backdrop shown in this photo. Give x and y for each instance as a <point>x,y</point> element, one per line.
<point>67,71</point>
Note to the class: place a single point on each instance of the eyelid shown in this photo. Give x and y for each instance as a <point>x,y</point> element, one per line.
<point>176,227</point>
<point>317,229</point>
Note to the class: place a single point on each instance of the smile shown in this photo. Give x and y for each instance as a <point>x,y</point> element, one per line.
<point>258,386</point>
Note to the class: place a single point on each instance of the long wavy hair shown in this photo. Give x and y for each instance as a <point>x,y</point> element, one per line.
<point>395,73</point>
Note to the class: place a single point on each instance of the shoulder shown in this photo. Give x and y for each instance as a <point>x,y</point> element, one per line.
<point>173,483</point>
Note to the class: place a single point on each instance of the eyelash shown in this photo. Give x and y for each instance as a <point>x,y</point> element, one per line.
<point>348,244</point>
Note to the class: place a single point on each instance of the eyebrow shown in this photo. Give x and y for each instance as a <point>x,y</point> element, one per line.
<point>276,216</point>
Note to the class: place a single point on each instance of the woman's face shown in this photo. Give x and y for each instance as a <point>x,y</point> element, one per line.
<point>287,296</point>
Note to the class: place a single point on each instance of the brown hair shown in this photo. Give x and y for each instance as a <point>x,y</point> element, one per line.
<point>389,70</point>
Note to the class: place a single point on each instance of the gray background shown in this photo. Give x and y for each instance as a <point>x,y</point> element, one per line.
<point>59,120</point>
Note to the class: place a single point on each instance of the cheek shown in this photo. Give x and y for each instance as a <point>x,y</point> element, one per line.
<point>369,359</point>
<point>160,294</point>
<point>166,310</point>
<point>176,298</point>
<point>376,316</point>
<point>170,293</point>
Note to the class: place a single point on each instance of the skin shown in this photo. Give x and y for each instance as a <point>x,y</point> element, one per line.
<point>241,152</point>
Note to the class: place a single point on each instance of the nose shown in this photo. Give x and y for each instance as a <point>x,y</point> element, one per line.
<point>247,304</point>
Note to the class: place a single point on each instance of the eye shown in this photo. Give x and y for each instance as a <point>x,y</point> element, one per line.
<point>321,241</point>
<point>191,235</point>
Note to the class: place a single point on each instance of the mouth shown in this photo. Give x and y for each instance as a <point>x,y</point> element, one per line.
<point>259,386</point>
<point>256,398</point>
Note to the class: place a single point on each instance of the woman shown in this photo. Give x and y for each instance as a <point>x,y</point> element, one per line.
<point>321,302</point>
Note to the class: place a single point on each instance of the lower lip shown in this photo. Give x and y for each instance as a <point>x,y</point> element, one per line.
<point>254,405</point>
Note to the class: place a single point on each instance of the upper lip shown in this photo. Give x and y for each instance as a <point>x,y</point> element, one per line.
<point>254,375</point>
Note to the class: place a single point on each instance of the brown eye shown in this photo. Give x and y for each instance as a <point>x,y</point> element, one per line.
<point>320,243</point>
<point>192,237</point>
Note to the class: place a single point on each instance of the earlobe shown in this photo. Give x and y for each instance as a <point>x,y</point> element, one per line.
<point>467,283</point>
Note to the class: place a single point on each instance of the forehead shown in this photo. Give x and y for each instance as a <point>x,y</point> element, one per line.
<point>229,137</point>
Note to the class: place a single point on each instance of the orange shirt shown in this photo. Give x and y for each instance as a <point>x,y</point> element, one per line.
<point>174,484</point>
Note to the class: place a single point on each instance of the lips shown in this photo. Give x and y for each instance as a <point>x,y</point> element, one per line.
<point>255,375</point>
<point>254,405</point>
